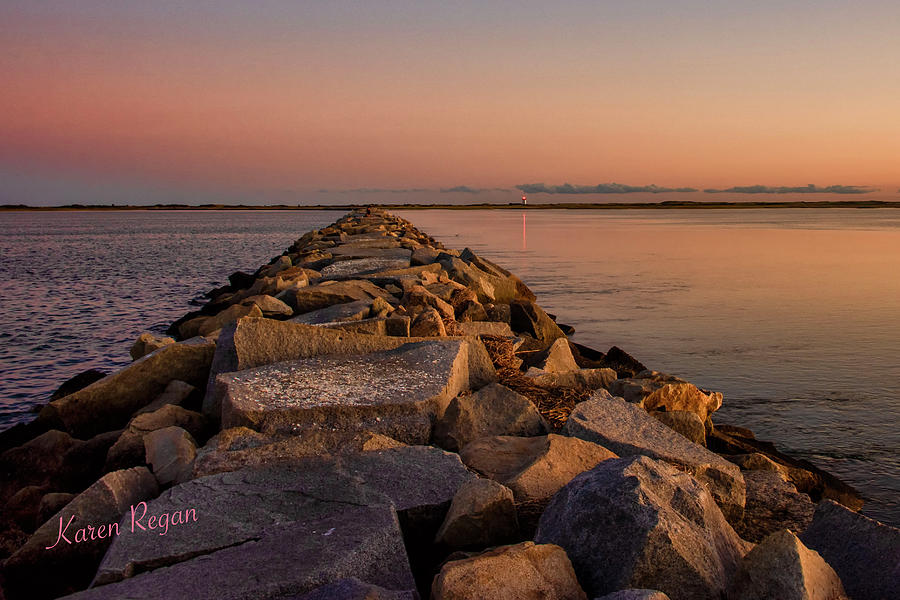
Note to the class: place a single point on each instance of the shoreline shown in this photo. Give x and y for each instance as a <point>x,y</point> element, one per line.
<point>391,400</point>
<point>666,205</point>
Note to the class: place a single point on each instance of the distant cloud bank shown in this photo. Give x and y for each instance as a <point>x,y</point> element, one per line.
<point>808,189</point>
<point>613,188</point>
<point>603,188</point>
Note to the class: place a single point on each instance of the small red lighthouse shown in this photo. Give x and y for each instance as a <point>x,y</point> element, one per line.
<point>524,199</point>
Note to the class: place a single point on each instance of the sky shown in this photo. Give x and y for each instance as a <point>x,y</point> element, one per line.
<point>291,102</point>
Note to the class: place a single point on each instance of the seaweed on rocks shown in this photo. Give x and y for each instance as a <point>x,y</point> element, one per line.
<point>554,403</point>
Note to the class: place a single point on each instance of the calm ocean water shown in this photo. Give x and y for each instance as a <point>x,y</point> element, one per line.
<point>793,314</point>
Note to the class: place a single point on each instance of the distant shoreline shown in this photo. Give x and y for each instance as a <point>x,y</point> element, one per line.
<point>672,204</point>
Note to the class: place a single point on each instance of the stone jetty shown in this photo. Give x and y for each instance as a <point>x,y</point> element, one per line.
<point>373,415</point>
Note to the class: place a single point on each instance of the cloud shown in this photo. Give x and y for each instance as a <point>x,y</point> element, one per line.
<point>808,189</point>
<point>470,190</point>
<point>603,188</point>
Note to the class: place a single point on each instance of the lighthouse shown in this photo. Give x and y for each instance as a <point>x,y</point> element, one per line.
<point>524,199</point>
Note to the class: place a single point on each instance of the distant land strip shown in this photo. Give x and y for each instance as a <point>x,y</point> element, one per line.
<point>668,204</point>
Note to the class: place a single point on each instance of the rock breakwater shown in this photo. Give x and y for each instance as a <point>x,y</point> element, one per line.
<point>372,414</point>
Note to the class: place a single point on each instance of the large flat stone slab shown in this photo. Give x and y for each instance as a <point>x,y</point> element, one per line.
<point>237,508</point>
<point>361,251</point>
<point>396,392</point>
<point>250,343</point>
<point>347,311</point>
<point>282,561</point>
<point>109,403</point>
<point>362,266</point>
<point>628,430</point>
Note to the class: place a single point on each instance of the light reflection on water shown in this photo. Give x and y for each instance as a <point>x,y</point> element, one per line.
<point>793,314</point>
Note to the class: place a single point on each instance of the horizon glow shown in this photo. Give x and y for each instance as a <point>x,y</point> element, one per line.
<point>228,102</point>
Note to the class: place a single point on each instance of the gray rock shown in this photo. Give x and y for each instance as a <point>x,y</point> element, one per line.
<point>634,594</point>
<point>637,522</point>
<point>362,266</point>
<point>493,410</point>
<point>128,451</point>
<point>147,343</point>
<point>328,293</point>
<point>685,422</point>
<point>394,325</point>
<point>357,251</point>
<point>240,447</point>
<point>170,452</point>
<point>396,392</point>
<point>865,553</point>
<point>354,589</point>
<point>772,504</point>
<point>591,379</point>
<point>237,508</point>
<point>109,403</point>
<point>282,559</point>
<point>483,513</point>
<point>525,571</point>
<point>782,567</point>
<point>528,317</point>
<point>534,468</point>
<point>348,311</point>
<point>73,562</point>
<point>628,430</point>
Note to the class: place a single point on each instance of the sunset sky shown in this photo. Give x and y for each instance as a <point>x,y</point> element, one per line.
<point>285,101</point>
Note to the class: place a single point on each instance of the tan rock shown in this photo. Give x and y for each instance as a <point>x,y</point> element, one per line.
<point>534,468</point>
<point>109,403</point>
<point>685,422</point>
<point>147,343</point>
<point>684,396</point>
<point>128,451</point>
<point>428,324</point>
<point>328,293</point>
<point>492,410</point>
<point>170,452</point>
<point>782,567</point>
<point>269,306</point>
<point>525,571</point>
<point>483,513</point>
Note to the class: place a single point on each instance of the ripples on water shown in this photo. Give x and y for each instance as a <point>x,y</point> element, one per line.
<point>79,287</point>
<point>793,314</point>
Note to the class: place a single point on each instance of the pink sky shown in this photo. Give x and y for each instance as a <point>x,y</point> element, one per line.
<point>280,97</point>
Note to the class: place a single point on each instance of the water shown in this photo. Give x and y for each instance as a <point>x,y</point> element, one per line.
<point>77,288</point>
<point>793,314</point>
